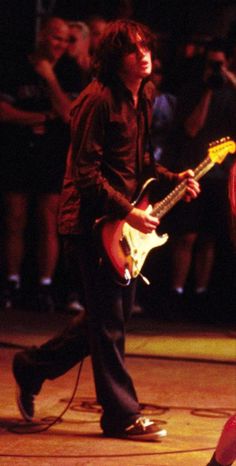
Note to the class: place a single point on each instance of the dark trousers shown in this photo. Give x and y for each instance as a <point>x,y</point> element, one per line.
<point>102,334</point>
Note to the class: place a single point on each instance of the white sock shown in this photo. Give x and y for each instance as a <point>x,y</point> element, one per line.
<point>179,290</point>
<point>14,277</point>
<point>200,289</point>
<point>45,281</point>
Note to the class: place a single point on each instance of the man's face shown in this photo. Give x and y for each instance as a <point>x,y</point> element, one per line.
<point>215,59</point>
<point>137,62</point>
<point>97,27</point>
<point>78,43</point>
<point>55,40</point>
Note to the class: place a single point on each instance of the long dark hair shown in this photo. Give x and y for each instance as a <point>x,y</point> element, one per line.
<point>118,39</point>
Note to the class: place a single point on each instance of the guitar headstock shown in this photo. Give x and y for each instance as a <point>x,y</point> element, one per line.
<point>219,149</point>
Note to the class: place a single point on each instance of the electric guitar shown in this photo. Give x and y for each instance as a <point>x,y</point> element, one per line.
<point>126,247</point>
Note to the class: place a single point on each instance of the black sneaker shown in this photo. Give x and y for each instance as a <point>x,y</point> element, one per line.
<point>27,385</point>
<point>142,429</point>
<point>25,403</point>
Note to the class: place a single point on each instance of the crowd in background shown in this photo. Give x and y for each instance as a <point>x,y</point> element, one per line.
<point>195,104</point>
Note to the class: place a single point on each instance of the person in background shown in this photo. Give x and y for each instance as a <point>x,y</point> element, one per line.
<point>77,67</point>
<point>35,137</point>
<point>231,44</point>
<point>164,108</point>
<point>97,25</point>
<point>188,61</point>
<point>206,112</point>
<point>106,164</point>
<point>79,50</point>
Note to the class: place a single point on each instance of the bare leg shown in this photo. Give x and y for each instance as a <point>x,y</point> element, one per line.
<point>181,259</point>
<point>16,217</point>
<point>48,247</point>
<point>204,261</point>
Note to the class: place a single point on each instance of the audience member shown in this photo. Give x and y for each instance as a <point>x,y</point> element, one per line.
<point>77,66</point>
<point>34,117</point>
<point>97,25</point>
<point>163,112</point>
<point>231,44</point>
<point>206,112</point>
<point>79,50</point>
<point>187,62</point>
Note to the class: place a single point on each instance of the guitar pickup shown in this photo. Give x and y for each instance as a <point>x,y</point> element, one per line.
<point>125,246</point>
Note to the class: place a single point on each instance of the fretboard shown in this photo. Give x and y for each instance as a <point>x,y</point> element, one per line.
<point>161,208</point>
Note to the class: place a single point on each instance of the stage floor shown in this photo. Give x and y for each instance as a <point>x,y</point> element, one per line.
<point>185,376</point>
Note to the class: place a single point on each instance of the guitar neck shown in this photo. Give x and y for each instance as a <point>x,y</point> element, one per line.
<point>161,208</point>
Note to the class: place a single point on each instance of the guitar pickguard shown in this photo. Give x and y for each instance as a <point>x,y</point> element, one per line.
<point>139,245</point>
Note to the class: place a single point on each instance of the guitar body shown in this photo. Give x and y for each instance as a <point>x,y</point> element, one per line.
<point>126,247</point>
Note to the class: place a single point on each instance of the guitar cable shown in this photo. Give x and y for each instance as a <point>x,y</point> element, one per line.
<point>34,427</point>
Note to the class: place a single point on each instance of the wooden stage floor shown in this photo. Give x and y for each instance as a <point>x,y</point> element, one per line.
<point>185,376</point>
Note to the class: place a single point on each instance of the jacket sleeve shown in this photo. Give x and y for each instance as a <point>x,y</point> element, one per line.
<point>89,125</point>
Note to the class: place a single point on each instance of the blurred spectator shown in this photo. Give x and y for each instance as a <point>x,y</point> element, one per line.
<point>96,25</point>
<point>163,112</point>
<point>35,136</point>
<point>188,62</point>
<point>79,50</point>
<point>76,65</point>
<point>206,112</point>
<point>231,43</point>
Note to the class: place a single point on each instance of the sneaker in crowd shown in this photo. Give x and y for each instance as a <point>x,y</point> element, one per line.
<point>143,429</point>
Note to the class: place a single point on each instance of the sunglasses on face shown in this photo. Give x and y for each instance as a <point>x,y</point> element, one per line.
<point>215,64</point>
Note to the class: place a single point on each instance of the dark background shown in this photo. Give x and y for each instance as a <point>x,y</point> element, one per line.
<point>176,19</point>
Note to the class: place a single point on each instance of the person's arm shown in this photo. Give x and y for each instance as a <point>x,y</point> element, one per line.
<point>230,76</point>
<point>11,114</point>
<point>60,102</point>
<point>88,134</point>
<point>144,221</point>
<point>172,178</point>
<point>89,125</point>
